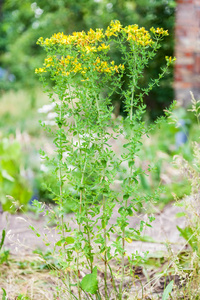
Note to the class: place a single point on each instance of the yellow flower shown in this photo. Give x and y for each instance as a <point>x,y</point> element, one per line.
<point>65,73</point>
<point>115,27</point>
<point>48,62</point>
<point>116,69</point>
<point>131,28</point>
<point>159,31</point>
<point>40,70</point>
<point>94,36</point>
<point>139,35</point>
<point>89,49</point>
<point>77,68</point>
<point>103,47</point>
<point>98,61</point>
<point>170,60</point>
<point>40,41</point>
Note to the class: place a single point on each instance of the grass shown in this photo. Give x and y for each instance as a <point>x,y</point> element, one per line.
<point>27,278</point>
<point>32,278</point>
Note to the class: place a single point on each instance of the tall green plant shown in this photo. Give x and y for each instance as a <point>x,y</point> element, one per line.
<point>80,67</point>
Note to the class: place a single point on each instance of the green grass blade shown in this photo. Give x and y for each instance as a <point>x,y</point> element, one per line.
<point>168,290</point>
<point>4,296</point>
<point>2,238</point>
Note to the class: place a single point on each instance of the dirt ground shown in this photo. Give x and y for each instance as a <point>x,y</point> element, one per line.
<point>21,240</point>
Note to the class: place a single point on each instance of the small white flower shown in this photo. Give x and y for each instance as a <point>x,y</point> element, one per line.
<point>46,108</point>
<point>52,115</point>
<point>50,122</point>
<point>44,168</point>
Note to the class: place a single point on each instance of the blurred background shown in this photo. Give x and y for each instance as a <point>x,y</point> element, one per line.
<point>22,102</point>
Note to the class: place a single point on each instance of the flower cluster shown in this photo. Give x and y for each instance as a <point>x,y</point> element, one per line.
<point>40,70</point>
<point>114,28</point>
<point>84,52</point>
<point>105,67</point>
<point>138,35</point>
<point>159,31</point>
<point>82,38</point>
<point>170,59</point>
<point>73,65</point>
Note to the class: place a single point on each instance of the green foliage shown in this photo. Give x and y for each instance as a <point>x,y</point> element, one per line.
<point>13,187</point>
<point>89,283</point>
<point>80,66</point>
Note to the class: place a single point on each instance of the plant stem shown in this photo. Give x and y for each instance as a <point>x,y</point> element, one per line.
<point>123,231</point>
<point>60,171</point>
<point>79,223</point>
<point>105,253</point>
<point>131,106</point>
<point>90,246</point>
<point>104,209</point>
<point>81,199</point>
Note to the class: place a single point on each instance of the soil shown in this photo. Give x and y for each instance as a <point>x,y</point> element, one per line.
<point>20,238</point>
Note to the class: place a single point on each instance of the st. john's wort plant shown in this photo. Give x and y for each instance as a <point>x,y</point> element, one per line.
<point>84,77</point>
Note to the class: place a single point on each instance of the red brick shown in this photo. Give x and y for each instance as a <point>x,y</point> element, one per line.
<point>197,63</point>
<point>183,85</point>
<point>188,54</point>
<point>185,1</point>
<point>190,67</point>
<point>187,49</point>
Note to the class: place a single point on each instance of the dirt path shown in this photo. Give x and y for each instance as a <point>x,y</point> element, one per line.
<point>20,239</point>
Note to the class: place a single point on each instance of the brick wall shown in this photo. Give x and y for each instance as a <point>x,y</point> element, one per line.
<point>187,50</point>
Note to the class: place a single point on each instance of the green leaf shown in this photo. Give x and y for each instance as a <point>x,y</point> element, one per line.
<point>151,218</point>
<point>68,240</point>
<point>131,163</point>
<point>168,290</point>
<point>126,145</point>
<point>103,224</point>
<point>89,283</point>
<point>180,214</point>
<point>3,235</point>
<point>142,223</point>
<point>128,240</point>
<point>36,232</point>
<point>126,196</point>
<point>130,212</point>
<point>4,295</point>
<point>188,234</point>
<point>120,210</point>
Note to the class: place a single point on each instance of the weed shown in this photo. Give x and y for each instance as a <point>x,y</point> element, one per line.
<point>84,77</point>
